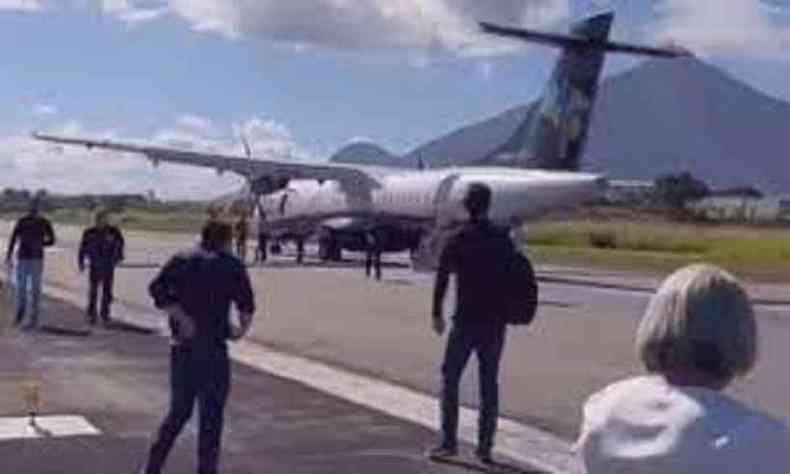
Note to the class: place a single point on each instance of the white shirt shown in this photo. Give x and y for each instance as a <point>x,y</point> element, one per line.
<point>645,425</point>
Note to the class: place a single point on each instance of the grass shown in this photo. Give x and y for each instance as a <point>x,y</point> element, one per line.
<point>761,254</point>
<point>638,242</point>
<point>179,220</point>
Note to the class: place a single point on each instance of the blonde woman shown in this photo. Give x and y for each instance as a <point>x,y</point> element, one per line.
<point>698,334</point>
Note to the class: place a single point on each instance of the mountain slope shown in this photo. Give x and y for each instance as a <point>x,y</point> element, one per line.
<point>662,116</point>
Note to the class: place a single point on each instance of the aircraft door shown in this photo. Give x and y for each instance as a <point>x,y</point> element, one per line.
<point>449,217</point>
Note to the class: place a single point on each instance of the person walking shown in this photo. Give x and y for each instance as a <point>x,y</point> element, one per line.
<point>242,232</point>
<point>197,289</point>
<point>103,246</point>
<point>33,233</point>
<point>263,239</point>
<point>477,255</point>
<point>373,254</point>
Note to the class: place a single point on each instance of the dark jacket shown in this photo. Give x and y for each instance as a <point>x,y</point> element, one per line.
<point>204,284</point>
<point>478,255</point>
<point>103,246</point>
<point>33,233</point>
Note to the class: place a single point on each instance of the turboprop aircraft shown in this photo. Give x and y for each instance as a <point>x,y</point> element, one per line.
<point>535,171</point>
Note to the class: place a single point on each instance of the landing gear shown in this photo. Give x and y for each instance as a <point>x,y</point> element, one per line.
<point>300,251</point>
<point>329,250</point>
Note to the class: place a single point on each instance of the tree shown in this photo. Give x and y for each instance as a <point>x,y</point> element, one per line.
<point>676,190</point>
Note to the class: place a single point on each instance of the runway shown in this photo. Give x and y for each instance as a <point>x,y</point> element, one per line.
<point>581,340</point>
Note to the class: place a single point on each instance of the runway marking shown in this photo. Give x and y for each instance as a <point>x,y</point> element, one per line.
<point>45,427</point>
<point>515,440</point>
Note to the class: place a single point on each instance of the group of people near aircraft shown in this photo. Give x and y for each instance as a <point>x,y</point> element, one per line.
<point>698,334</point>
<point>101,245</point>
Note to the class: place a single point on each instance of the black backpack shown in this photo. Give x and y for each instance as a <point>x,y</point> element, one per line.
<point>521,290</point>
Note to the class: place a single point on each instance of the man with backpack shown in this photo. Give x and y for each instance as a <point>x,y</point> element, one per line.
<point>495,285</point>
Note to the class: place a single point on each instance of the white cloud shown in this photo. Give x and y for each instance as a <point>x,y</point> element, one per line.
<point>21,5</point>
<point>201,125</point>
<point>133,11</point>
<point>45,109</point>
<point>744,27</point>
<point>421,27</point>
<point>434,26</point>
<point>27,163</point>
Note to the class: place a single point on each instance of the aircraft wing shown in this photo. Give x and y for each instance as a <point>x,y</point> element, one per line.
<point>251,169</point>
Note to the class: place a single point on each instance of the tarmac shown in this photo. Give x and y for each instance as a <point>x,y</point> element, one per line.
<point>116,379</point>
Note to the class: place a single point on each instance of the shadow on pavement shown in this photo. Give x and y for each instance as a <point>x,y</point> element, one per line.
<point>124,327</point>
<point>64,331</point>
<point>39,430</point>
<point>496,467</point>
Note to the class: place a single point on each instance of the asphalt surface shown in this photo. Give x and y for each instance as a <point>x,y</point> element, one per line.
<point>117,379</point>
<point>581,341</point>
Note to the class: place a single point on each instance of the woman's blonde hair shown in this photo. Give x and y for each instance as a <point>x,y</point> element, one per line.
<point>700,318</point>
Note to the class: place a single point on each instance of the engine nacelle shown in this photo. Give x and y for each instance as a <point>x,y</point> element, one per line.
<point>268,184</point>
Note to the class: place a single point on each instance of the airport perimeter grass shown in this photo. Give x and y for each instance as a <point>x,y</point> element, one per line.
<point>756,253</point>
<point>631,242</point>
<point>184,220</point>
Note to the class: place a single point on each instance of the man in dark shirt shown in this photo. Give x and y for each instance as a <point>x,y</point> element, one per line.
<point>197,289</point>
<point>477,255</point>
<point>103,245</point>
<point>263,239</point>
<point>373,254</point>
<point>33,232</point>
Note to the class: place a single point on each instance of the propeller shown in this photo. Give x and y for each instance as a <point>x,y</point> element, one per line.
<point>247,147</point>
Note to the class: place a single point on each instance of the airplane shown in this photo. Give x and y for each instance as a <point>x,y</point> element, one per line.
<point>532,173</point>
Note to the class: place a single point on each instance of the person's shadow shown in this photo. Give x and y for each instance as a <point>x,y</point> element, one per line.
<point>497,467</point>
<point>64,331</point>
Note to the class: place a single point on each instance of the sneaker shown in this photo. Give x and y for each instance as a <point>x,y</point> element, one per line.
<point>443,451</point>
<point>31,326</point>
<point>484,456</point>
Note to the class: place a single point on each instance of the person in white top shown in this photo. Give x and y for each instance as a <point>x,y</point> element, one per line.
<point>698,334</point>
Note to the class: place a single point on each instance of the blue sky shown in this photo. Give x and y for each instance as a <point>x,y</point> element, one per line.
<point>305,77</point>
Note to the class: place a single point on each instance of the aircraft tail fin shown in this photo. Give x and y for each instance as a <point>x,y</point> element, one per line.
<point>553,136</point>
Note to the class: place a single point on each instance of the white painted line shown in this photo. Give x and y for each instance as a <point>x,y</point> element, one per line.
<point>46,427</point>
<point>514,439</point>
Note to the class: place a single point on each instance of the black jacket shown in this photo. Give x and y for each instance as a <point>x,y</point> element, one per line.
<point>33,233</point>
<point>102,246</point>
<point>204,284</point>
<point>479,256</point>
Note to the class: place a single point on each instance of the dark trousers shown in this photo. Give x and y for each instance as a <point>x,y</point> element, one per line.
<point>104,278</point>
<point>201,375</point>
<point>262,254</point>
<point>373,262</point>
<point>488,341</point>
<point>241,248</point>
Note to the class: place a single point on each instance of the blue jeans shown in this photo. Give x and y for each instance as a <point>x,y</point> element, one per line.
<point>488,341</point>
<point>28,279</point>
